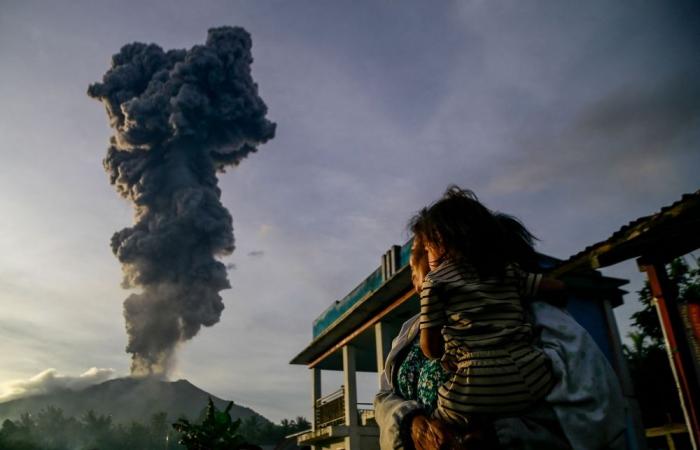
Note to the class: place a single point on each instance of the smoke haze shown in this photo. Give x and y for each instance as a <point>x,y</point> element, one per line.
<point>50,381</point>
<point>179,118</point>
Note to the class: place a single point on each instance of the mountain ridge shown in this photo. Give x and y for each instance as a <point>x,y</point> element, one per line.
<point>126,399</point>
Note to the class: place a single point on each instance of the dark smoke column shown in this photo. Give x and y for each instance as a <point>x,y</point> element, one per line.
<point>179,117</point>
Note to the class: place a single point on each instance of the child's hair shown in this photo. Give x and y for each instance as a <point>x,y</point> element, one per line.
<point>418,262</point>
<point>418,253</point>
<point>469,232</point>
<point>521,242</point>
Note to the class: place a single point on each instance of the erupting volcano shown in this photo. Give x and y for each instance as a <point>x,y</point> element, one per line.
<point>179,118</point>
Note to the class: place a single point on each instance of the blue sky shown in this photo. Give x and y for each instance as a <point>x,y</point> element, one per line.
<point>575,117</point>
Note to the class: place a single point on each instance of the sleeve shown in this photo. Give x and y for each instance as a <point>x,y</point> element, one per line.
<point>528,282</point>
<point>393,415</point>
<point>587,395</point>
<point>432,308</point>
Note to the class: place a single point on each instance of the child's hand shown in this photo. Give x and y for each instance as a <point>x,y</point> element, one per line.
<point>448,364</point>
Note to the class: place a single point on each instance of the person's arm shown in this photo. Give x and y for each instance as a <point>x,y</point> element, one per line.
<point>432,319</point>
<point>394,416</point>
<point>551,285</point>
<point>553,291</point>
<point>587,395</point>
<point>432,343</point>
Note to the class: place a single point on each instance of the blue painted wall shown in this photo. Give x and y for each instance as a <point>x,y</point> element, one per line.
<point>591,315</point>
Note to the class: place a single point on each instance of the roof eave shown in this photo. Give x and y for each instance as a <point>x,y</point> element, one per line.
<point>370,305</point>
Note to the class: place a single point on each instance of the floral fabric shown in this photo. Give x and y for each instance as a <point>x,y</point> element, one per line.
<point>418,378</point>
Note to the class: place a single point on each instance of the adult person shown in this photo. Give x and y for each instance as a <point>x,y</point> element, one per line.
<point>586,395</point>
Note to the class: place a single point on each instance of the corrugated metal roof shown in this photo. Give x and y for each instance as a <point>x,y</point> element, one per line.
<point>687,207</point>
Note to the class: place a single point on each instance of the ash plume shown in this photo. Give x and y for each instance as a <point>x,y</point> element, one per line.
<point>179,118</point>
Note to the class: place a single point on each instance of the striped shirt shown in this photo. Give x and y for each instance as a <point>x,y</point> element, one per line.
<point>487,338</point>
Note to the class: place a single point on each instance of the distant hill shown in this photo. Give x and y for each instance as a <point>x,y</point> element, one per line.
<point>126,399</point>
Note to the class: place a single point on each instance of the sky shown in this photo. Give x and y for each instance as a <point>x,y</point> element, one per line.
<point>576,117</point>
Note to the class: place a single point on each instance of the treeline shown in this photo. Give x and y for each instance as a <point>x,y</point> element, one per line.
<point>264,433</point>
<point>51,429</point>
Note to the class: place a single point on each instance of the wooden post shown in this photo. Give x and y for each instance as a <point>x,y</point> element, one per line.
<point>676,344</point>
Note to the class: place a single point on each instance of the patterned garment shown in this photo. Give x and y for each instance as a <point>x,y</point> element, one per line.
<point>419,378</point>
<point>487,338</point>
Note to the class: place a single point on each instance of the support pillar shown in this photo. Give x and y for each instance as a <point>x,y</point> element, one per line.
<point>382,338</point>
<point>350,393</point>
<point>350,379</point>
<point>315,395</point>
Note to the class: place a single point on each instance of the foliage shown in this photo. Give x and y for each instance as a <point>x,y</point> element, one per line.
<point>682,275</point>
<point>216,432</point>
<point>51,429</point>
<point>255,430</point>
<point>646,356</point>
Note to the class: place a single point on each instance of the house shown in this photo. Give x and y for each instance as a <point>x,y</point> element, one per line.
<point>354,335</point>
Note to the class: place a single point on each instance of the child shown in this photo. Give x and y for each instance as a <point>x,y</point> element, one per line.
<point>471,311</point>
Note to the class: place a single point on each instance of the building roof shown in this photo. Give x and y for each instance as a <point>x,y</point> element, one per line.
<point>355,316</point>
<point>374,297</point>
<point>672,231</point>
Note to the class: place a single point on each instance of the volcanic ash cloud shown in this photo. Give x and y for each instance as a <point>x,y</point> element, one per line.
<point>179,118</point>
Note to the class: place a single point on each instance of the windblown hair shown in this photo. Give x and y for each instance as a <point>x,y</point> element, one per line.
<point>418,253</point>
<point>468,232</point>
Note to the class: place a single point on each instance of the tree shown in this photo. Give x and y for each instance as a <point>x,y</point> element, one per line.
<point>13,436</point>
<point>646,356</point>
<point>97,430</point>
<point>56,431</point>
<point>216,432</point>
<point>50,429</point>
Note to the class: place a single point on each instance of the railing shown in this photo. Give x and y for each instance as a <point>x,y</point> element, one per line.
<point>330,410</point>
<point>366,414</point>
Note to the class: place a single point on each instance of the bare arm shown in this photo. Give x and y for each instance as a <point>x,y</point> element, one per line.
<point>553,291</point>
<point>548,285</point>
<point>432,343</point>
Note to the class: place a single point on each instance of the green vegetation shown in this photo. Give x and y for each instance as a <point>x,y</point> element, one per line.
<point>646,356</point>
<point>262,432</point>
<point>50,429</point>
<point>216,432</point>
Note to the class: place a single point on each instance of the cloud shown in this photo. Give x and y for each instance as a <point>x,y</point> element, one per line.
<point>654,115</point>
<point>50,381</point>
<point>624,137</point>
<point>256,253</point>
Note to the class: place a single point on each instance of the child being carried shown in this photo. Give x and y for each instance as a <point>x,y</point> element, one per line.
<point>472,316</point>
